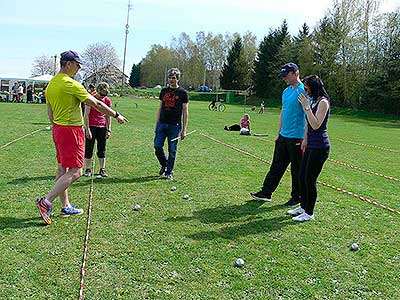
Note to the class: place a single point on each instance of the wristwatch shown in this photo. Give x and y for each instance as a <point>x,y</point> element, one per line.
<point>116,114</point>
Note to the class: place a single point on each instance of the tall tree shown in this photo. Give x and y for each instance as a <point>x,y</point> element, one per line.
<point>274,50</point>
<point>134,79</point>
<point>43,65</point>
<point>155,65</point>
<point>234,70</point>
<point>98,56</point>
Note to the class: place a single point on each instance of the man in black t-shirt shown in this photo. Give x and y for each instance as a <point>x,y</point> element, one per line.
<point>174,103</point>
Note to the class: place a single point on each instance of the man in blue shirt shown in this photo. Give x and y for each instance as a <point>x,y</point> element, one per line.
<point>288,141</point>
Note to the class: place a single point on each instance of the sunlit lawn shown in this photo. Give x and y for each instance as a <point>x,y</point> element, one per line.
<point>186,249</point>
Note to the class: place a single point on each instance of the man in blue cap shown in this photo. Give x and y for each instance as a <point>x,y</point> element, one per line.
<point>64,96</point>
<point>289,139</point>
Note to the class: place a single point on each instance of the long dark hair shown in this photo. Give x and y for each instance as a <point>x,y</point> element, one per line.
<point>316,86</point>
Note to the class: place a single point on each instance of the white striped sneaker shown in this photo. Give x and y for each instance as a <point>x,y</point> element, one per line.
<point>303,217</point>
<point>296,211</point>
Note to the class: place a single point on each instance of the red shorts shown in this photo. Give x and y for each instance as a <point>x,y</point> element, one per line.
<point>70,145</point>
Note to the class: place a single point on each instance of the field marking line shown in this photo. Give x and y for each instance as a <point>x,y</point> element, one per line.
<point>22,137</point>
<point>366,145</point>
<point>355,167</point>
<point>86,242</point>
<point>362,198</point>
<point>178,137</point>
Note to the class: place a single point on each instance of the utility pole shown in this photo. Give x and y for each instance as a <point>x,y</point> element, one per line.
<point>55,64</point>
<point>126,40</point>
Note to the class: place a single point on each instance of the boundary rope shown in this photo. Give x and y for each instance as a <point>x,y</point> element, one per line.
<point>355,167</point>
<point>22,137</point>
<point>366,145</point>
<point>362,198</point>
<point>86,242</point>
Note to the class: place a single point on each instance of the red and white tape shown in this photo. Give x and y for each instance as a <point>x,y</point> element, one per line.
<point>86,242</point>
<point>362,198</point>
<point>355,167</point>
<point>366,145</point>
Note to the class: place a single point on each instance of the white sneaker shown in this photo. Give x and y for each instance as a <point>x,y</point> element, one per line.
<point>303,217</point>
<point>296,211</point>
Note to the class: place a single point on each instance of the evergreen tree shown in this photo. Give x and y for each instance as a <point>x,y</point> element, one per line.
<point>134,79</point>
<point>233,76</point>
<point>273,52</point>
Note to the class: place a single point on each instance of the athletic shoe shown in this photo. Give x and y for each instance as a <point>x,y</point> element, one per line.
<point>162,171</point>
<point>44,210</point>
<point>87,173</point>
<point>295,212</point>
<point>169,177</point>
<point>102,174</point>
<point>293,201</point>
<point>72,210</point>
<point>303,217</point>
<point>261,196</point>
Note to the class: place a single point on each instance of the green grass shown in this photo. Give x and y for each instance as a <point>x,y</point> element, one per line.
<point>186,249</point>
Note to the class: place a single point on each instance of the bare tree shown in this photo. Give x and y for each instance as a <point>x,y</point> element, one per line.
<point>43,65</point>
<point>99,56</point>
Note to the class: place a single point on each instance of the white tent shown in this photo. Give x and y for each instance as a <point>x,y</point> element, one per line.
<point>41,78</point>
<point>6,83</point>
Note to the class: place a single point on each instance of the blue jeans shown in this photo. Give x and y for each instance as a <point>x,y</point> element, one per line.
<point>163,131</point>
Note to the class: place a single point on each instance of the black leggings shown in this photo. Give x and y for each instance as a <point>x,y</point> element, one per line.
<point>99,134</point>
<point>310,169</point>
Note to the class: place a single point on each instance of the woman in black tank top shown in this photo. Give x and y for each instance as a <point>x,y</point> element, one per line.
<point>315,145</point>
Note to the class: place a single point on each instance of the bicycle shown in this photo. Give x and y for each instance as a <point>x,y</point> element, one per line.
<point>216,106</point>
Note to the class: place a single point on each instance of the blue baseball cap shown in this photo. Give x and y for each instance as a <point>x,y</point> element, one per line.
<point>70,56</point>
<point>289,67</point>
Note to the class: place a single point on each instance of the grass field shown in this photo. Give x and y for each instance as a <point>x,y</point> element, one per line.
<point>186,249</point>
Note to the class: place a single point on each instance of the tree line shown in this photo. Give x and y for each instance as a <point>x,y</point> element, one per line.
<point>353,48</point>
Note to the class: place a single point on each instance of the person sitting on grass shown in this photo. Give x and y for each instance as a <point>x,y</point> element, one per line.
<point>243,127</point>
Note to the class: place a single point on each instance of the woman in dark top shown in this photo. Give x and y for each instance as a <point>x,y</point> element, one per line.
<point>315,145</point>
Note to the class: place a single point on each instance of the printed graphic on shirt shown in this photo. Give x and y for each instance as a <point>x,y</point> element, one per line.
<point>170,100</point>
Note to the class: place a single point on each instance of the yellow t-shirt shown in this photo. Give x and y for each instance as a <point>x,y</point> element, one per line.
<point>64,95</point>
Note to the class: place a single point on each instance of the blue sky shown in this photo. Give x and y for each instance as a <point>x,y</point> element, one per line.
<point>32,28</point>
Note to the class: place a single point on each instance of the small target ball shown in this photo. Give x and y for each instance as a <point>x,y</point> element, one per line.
<point>354,247</point>
<point>239,262</point>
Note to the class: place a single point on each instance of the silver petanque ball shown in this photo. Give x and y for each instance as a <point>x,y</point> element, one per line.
<point>137,207</point>
<point>186,196</point>
<point>173,188</point>
<point>239,262</point>
<point>354,247</point>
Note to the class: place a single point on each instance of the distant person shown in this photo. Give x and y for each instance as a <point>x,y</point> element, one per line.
<point>14,92</point>
<point>288,141</point>
<point>316,145</point>
<point>243,126</point>
<point>29,94</point>
<point>92,89</point>
<point>64,96</point>
<point>97,128</point>
<point>262,107</point>
<point>173,109</point>
<point>43,95</point>
<point>20,93</point>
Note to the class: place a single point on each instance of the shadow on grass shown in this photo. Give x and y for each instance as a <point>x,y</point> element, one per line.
<point>9,222</point>
<point>250,228</point>
<point>226,214</point>
<point>111,180</point>
<point>27,179</point>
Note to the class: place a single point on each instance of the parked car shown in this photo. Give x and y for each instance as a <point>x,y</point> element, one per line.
<point>204,88</point>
